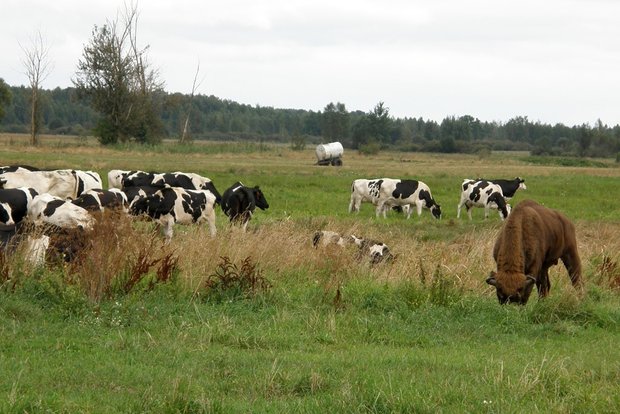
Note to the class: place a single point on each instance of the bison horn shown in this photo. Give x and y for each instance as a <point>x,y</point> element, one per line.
<point>491,281</point>
<point>530,280</point>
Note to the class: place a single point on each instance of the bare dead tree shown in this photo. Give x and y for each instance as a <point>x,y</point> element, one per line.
<point>37,67</point>
<point>195,85</point>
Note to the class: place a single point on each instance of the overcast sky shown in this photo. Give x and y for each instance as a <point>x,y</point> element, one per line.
<point>550,60</point>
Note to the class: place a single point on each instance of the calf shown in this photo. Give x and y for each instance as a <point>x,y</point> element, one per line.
<point>99,200</point>
<point>482,194</point>
<point>171,205</point>
<point>532,240</point>
<point>60,183</point>
<point>46,208</point>
<point>239,202</point>
<point>406,192</point>
<point>509,187</point>
<point>189,181</point>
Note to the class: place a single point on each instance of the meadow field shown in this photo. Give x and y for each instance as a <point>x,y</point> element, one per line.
<point>264,322</point>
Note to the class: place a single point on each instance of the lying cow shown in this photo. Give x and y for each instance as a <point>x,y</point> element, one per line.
<point>189,181</point>
<point>482,194</point>
<point>377,251</point>
<point>532,240</point>
<point>59,183</point>
<point>406,192</point>
<point>374,250</point>
<point>48,209</point>
<point>171,205</point>
<point>509,187</point>
<point>239,203</point>
<point>99,200</point>
<point>327,237</point>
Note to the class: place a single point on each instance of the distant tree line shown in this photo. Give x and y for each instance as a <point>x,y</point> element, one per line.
<point>220,119</point>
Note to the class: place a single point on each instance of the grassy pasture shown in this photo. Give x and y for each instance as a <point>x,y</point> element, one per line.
<point>424,334</point>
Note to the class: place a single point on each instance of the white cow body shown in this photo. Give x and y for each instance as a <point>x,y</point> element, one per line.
<point>60,183</point>
<point>46,208</point>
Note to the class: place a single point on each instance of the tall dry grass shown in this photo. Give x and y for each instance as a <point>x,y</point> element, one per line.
<point>284,248</point>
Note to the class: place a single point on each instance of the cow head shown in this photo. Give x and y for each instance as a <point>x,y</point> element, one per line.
<point>259,197</point>
<point>436,211</point>
<point>512,287</point>
<point>5,215</point>
<point>521,182</point>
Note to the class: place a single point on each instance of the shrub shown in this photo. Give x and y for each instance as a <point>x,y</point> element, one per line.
<point>233,282</point>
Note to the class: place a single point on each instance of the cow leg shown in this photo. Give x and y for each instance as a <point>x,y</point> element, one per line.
<point>167,224</point>
<point>354,205</point>
<point>380,209</point>
<point>418,206</point>
<point>458,211</point>
<point>486,212</point>
<point>211,220</point>
<point>469,208</point>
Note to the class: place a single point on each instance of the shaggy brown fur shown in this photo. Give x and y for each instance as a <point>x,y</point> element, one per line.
<point>532,240</point>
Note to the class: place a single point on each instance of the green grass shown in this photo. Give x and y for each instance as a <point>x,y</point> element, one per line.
<point>422,335</point>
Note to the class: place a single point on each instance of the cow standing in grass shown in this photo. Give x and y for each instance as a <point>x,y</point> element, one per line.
<point>240,201</point>
<point>482,194</point>
<point>406,193</point>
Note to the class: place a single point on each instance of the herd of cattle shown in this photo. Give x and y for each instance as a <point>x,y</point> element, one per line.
<point>66,199</point>
<point>532,239</point>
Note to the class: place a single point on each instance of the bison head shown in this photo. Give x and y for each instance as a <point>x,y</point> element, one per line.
<point>512,287</point>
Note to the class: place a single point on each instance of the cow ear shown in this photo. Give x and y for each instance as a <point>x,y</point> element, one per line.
<point>491,279</point>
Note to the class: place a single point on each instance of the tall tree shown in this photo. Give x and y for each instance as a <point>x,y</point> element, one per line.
<point>5,97</point>
<point>37,66</point>
<point>335,125</point>
<point>115,77</point>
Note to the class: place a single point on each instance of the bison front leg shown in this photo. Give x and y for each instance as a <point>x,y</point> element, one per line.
<point>542,283</point>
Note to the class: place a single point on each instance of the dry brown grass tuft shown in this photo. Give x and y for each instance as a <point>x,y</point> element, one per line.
<point>116,258</point>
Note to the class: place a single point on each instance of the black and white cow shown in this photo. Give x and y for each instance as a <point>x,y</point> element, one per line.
<point>239,202</point>
<point>376,251</point>
<point>482,194</point>
<point>509,187</point>
<point>14,204</point>
<point>367,191</point>
<point>60,183</point>
<point>99,200</point>
<point>48,209</point>
<point>170,205</point>
<point>406,192</point>
<point>189,181</point>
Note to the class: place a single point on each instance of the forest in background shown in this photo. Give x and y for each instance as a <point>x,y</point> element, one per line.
<point>213,118</point>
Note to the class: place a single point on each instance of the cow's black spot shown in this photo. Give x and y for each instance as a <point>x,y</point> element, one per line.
<point>405,188</point>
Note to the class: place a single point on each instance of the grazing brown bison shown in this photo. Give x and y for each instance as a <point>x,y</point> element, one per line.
<point>532,240</point>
